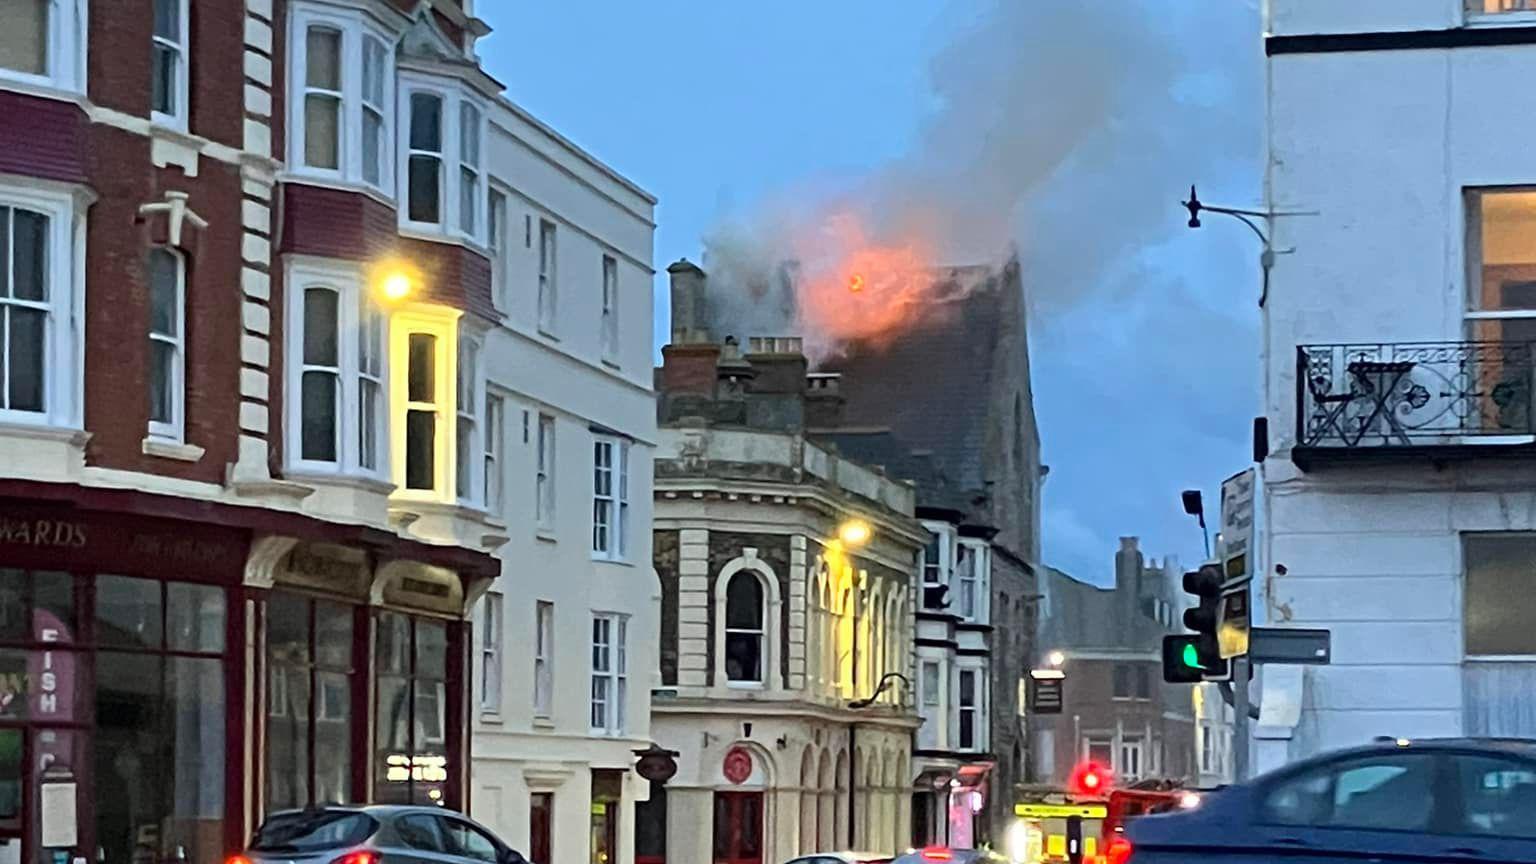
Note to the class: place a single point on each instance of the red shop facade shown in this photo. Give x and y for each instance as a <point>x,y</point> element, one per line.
<point>171,670</point>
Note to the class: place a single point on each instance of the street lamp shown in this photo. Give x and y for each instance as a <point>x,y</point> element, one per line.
<point>854,532</point>
<point>859,705</point>
<point>1266,258</point>
<point>1056,658</point>
<point>395,279</point>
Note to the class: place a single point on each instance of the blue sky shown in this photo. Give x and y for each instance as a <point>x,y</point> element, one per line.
<point>1144,334</point>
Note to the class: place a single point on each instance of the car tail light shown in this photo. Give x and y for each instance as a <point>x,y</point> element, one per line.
<point>237,859</point>
<point>363,857</point>
<point>1119,851</point>
<point>937,853</point>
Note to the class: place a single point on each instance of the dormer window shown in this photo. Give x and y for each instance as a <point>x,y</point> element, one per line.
<point>341,69</point>
<point>443,184</point>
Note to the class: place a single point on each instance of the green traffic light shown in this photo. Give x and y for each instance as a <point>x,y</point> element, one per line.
<point>1192,657</point>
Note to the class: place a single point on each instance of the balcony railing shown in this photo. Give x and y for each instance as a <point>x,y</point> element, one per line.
<point>1414,394</point>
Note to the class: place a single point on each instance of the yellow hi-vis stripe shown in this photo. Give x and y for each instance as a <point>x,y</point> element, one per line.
<point>1060,811</point>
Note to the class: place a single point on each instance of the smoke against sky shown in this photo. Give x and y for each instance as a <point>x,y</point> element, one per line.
<point>950,133</point>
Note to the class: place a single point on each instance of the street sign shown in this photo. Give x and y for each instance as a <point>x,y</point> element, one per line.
<point>1290,646</point>
<point>1237,526</point>
<point>1234,622</point>
<point>1045,694</point>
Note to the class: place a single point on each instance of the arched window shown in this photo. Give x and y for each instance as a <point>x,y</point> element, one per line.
<point>744,628</point>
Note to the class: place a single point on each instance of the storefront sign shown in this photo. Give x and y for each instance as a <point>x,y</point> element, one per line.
<point>56,538</point>
<point>42,532</point>
<point>737,765</point>
<point>60,828</point>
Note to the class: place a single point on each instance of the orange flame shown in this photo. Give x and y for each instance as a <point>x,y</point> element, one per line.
<point>856,283</point>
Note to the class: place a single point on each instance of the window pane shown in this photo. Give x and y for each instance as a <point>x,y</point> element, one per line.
<point>320,327</point>
<point>196,617</point>
<point>30,251</point>
<point>163,63</point>
<point>1500,797</point>
<point>288,628</point>
<point>392,771</point>
<point>469,134</point>
<point>464,455</point>
<point>469,201</point>
<point>420,446</point>
<point>132,764</point>
<point>10,774</point>
<point>373,71</point>
<point>373,134</point>
<point>421,380</point>
<point>322,125</point>
<point>318,429</point>
<point>1391,795</point>
<point>128,611</point>
<point>323,59</point>
<point>1501,572</point>
<point>24,358</point>
<point>743,657</point>
<point>368,424</point>
<point>167,23</point>
<point>744,602</point>
<point>333,635</point>
<point>394,643</point>
<point>431,650</point>
<point>333,738</point>
<point>162,293</point>
<point>426,123</point>
<point>24,38</point>
<point>424,196</point>
<point>162,359</point>
<point>53,607</point>
<point>195,757</point>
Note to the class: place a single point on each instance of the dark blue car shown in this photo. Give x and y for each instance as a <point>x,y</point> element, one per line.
<point>1398,803</point>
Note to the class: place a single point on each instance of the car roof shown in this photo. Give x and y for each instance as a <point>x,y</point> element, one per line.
<point>370,810</point>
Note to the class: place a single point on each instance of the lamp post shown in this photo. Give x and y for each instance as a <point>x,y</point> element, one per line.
<point>859,705</point>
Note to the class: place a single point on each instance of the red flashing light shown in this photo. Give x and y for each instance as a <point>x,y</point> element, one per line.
<point>937,853</point>
<point>1090,779</point>
<point>237,859</point>
<point>363,857</point>
<point>1119,851</point>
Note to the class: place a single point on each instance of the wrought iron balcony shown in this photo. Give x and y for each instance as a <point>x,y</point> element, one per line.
<point>1431,400</point>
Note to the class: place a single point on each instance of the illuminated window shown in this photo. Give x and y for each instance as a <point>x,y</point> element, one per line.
<point>339,128</point>
<point>610,498</point>
<point>167,344</point>
<point>410,741</point>
<point>547,285</point>
<point>610,673</point>
<point>336,372</point>
<point>610,320</point>
<point>168,64</point>
<point>422,413</point>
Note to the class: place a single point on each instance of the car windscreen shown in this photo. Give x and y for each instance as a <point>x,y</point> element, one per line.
<point>313,831</point>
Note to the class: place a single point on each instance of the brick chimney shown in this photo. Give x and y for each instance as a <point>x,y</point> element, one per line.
<point>689,312</point>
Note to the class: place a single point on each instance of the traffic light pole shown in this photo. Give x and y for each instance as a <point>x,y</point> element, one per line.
<point>1240,747</point>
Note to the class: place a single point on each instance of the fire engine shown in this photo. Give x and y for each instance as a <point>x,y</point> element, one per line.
<point>1085,823</point>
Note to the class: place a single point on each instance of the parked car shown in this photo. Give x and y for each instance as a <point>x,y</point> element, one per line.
<point>948,855</point>
<point>379,834</point>
<point>1404,801</point>
<point>843,858</point>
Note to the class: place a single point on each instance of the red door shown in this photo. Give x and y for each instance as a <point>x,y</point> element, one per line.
<point>738,828</point>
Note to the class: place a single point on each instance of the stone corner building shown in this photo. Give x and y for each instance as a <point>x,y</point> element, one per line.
<point>772,624</point>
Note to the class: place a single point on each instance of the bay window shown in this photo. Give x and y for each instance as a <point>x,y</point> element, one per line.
<point>167,344</point>
<point>168,63</point>
<point>342,70</point>
<point>43,41</point>
<point>336,373</point>
<point>468,445</point>
<point>610,498</point>
<point>436,406</point>
<point>38,299</point>
<point>443,182</point>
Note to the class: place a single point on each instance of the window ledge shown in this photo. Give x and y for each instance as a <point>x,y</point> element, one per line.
<point>44,432</point>
<point>547,333</point>
<point>618,562</point>
<point>612,364</point>
<point>492,717</point>
<point>166,449</point>
<point>355,481</point>
<point>543,723</point>
<point>745,685</point>
<point>546,534</point>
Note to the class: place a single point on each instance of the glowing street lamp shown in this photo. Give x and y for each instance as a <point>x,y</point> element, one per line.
<point>395,279</point>
<point>1056,658</point>
<point>854,532</point>
<point>396,286</point>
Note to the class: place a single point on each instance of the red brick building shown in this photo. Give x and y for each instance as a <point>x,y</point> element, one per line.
<point>244,259</point>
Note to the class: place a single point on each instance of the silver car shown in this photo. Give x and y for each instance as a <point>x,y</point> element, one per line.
<point>380,834</point>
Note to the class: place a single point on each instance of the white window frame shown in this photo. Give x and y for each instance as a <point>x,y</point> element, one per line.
<point>491,651</point>
<point>943,568</point>
<point>493,444</point>
<point>353,26</point>
<point>543,659</point>
<point>175,428</point>
<point>549,279</point>
<point>614,544</point>
<point>933,691</point>
<point>498,244</point>
<point>1126,751</point>
<point>610,665</point>
<point>64,55</point>
<point>544,476</point>
<point>442,323</point>
<point>350,285</point>
<point>64,305</point>
<point>451,158</point>
<point>470,490</point>
<point>179,85</point>
<point>471,173</point>
<point>760,632</point>
<point>610,311</point>
<point>978,709</point>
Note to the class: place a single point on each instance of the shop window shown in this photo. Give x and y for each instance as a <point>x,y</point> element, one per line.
<point>411,758</point>
<point>610,498</point>
<point>167,344</point>
<point>745,628</point>
<point>336,374</point>
<point>37,286</point>
<point>610,673</point>
<point>43,41</point>
<point>160,711</point>
<point>168,65</point>
<point>606,786</point>
<point>340,126</point>
<point>310,666</point>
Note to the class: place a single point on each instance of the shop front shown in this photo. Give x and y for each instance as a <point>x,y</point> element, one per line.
<point>171,670</point>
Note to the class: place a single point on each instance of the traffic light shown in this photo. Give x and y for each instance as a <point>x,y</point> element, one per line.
<point>1206,584</point>
<point>1181,661</point>
<point>1089,778</point>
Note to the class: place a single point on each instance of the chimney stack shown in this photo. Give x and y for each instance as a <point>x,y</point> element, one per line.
<point>689,324</point>
<point>780,363</point>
